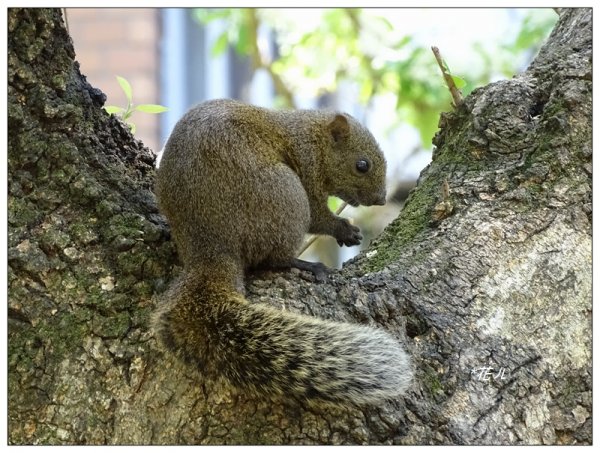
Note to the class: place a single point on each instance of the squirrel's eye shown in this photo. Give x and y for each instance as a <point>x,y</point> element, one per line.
<point>362,166</point>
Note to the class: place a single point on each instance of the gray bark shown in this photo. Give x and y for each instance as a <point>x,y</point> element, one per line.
<point>485,276</point>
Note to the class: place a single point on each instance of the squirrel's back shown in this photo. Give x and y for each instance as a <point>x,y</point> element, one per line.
<point>225,188</point>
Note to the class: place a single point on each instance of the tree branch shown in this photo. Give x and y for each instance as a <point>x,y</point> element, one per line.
<point>454,92</point>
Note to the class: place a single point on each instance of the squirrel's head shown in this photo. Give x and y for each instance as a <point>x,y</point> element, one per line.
<point>356,166</point>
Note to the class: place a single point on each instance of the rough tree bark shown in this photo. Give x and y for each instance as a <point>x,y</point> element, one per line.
<point>485,275</point>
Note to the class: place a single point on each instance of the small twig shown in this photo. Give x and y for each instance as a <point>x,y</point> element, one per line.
<point>314,237</point>
<point>456,96</point>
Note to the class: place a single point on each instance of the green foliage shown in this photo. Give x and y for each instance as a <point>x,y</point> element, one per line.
<point>238,32</point>
<point>534,29</point>
<point>511,55</point>
<point>126,87</point>
<point>460,83</point>
<point>126,112</point>
<point>320,49</point>
<point>334,203</point>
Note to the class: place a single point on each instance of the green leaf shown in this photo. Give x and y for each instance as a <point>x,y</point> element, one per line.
<point>387,23</point>
<point>126,87</point>
<point>132,127</point>
<point>243,45</point>
<point>151,108</point>
<point>220,44</point>
<point>402,42</point>
<point>460,83</point>
<point>111,109</point>
<point>334,203</point>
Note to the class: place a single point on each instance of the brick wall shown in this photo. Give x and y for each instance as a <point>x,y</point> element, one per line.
<point>125,42</point>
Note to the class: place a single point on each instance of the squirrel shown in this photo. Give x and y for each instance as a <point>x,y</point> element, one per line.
<point>240,186</point>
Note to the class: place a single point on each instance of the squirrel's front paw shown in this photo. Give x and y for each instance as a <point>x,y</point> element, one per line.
<point>347,234</point>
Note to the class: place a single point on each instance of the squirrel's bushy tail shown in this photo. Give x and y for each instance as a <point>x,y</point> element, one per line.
<point>276,353</point>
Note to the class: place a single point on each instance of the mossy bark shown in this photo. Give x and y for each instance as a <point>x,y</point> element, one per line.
<point>485,276</point>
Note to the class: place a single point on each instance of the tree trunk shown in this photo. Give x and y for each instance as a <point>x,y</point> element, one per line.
<point>485,276</point>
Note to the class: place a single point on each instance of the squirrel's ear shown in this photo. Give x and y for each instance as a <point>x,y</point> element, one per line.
<point>339,127</point>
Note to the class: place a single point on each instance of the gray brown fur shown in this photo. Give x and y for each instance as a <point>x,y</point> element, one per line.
<point>241,186</point>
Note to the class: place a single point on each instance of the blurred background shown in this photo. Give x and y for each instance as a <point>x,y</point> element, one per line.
<point>375,64</point>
